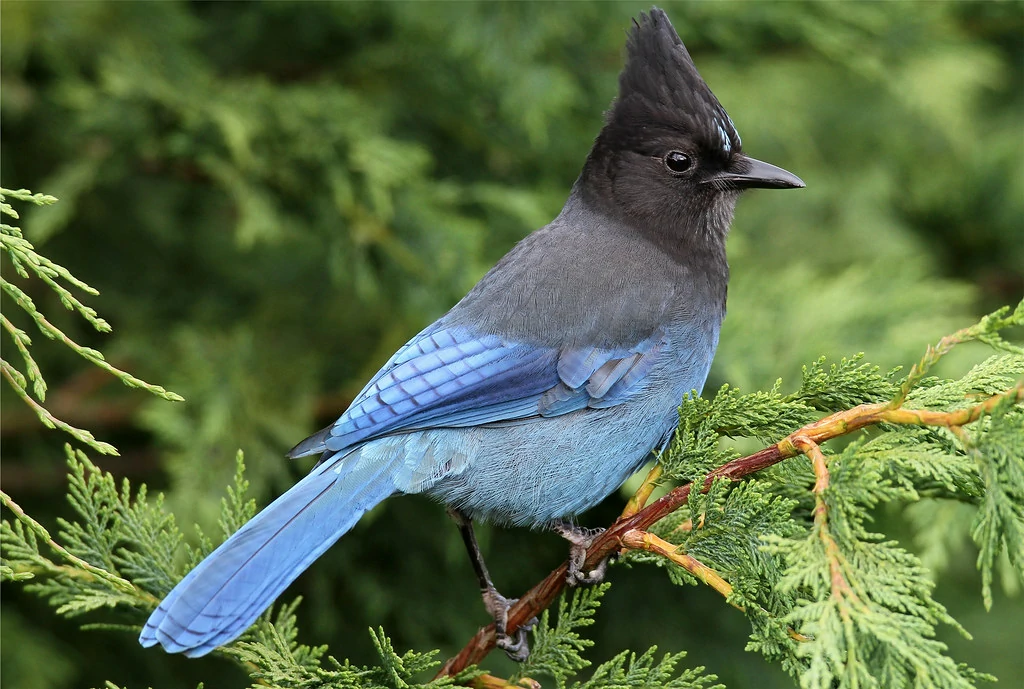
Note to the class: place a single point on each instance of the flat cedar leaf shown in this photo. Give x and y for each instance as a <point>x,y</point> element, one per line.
<point>556,650</point>
<point>696,446</point>
<point>989,377</point>
<point>236,509</point>
<point>999,524</point>
<point>864,603</point>
<point>628,670</point>
<point>834,387</point>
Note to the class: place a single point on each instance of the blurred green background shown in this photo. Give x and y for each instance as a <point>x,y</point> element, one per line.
<point>272,197</point>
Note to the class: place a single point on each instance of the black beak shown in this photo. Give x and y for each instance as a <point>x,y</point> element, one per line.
<point>750,173</point>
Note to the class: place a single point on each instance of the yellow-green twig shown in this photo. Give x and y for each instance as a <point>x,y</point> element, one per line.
<point>643,493</point>
<point>12,376</point>
<point>645,540</point>
<point>492,682</point>
<point>40,531</point>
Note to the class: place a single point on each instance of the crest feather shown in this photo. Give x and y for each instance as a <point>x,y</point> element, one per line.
<point>660,86</point>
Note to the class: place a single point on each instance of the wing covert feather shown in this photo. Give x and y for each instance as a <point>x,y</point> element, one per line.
<point>455,378</point>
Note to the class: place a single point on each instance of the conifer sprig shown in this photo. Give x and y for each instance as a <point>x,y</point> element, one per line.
<point>28,532</point>
<point>28,263</point>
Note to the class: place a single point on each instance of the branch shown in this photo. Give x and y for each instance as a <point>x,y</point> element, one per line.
<point>542,595</point>
<point>492,682</point>
<point>13,376</point>
<point>841,589</point>
<point>41,532</point>
<point>644,540</point>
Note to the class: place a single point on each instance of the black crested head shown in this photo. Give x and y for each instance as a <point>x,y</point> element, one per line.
<point>669,158</point>
<point>660,85</point>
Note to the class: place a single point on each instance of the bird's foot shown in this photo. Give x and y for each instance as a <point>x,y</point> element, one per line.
<point>580,539</point>
<point>515,646</point>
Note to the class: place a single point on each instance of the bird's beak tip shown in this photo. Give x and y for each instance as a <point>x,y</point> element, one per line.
<point>757,174</point>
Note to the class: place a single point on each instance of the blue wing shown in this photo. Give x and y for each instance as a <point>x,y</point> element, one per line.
<point>451,377</point>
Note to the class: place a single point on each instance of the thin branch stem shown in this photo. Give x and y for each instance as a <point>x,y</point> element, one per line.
<point>841,589</point>
<point>645,540</point>
<point>40,531</point>
<point>11,375</point>
<point>643,493</point>
<point>492,682</point>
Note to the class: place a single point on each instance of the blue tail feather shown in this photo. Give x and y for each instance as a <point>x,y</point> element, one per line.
<point>227,591</point>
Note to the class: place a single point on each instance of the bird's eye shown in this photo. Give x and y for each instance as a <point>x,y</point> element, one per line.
<point>678,162</point>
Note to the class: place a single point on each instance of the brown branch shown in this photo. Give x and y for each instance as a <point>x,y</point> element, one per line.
<point>542,595</point>
<point>645,540</point>
<point>840,586</point>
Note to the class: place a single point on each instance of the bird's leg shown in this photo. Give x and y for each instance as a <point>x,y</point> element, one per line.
<point>580,539</point>
<point>496,604</point>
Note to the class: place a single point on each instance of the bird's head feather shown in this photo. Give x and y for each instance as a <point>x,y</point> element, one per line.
<point>664,113</point>
<point>660,87</point>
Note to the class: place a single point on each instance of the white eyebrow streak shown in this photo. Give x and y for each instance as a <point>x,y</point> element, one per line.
<point>724,133</point>
<point>726,143</point>
<point>734,130</point>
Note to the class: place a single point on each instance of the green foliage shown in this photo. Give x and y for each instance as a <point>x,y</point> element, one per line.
<point>27,262</point>
<point>556,649</point>
<point>122,548</point>
<point>275,659</point>
<point>767,417</point>
<point>999,525</point>
<point>864,604</point>
<point>115,534</point>
<point>834,387</point>
<point>988,377</point>
<point>629,670</point>
<point>695,449</point>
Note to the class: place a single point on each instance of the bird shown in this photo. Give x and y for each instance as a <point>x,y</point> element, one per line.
<point>549,384</point>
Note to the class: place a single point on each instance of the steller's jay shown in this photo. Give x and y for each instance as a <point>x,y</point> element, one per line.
<point>550,383</point>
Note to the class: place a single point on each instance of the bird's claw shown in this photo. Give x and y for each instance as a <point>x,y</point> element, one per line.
<point>576,576</point>
<point>517,650</point>
<point>580,539</point>
<point>516,646</point>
